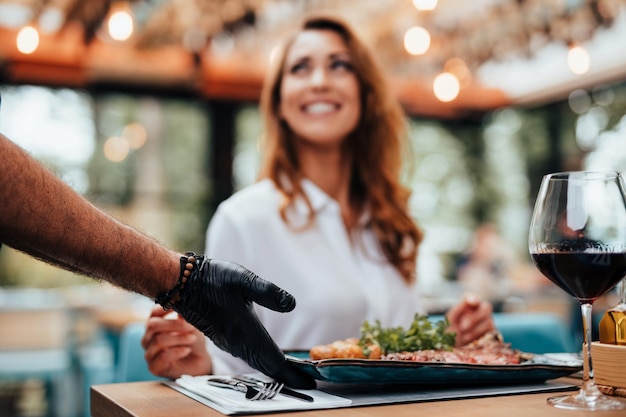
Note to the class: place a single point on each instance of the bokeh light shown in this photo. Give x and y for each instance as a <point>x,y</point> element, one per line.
<point>27,40</point>
<point>120,25</point>
<point>459,69</point>
<point>425,4</point>
<point>135,134</point>
<point>416,40</point>
<point>446,87</point>
<point>578,60</point>
<point>116,149</point>
<point>579,101</point>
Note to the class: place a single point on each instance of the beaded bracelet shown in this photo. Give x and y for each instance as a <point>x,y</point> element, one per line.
<point>171,297</point>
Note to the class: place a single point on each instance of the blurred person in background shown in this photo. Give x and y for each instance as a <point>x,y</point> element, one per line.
<point>43,217</point>
<point>329,216</point>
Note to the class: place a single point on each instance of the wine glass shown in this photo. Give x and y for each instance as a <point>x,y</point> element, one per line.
<point>577,240</point>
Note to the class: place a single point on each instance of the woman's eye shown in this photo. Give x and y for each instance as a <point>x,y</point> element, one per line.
<point>342,64</point>
<point>298,67</point>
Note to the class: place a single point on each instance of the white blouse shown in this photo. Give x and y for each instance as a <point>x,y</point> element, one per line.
<point>337,284</point>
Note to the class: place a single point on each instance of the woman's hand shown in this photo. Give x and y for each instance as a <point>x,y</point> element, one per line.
<point>470,319</point>
<point>174,347</point>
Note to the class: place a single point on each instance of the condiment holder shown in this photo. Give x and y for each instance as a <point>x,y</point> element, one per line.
<point>609,367</point>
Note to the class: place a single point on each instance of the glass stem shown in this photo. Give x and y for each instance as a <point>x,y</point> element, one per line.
<point>588,390</point>
<point>587,323</point>
<point>621,291</point>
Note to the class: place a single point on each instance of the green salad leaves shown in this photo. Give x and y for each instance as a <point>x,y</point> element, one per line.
<point>422,334</point>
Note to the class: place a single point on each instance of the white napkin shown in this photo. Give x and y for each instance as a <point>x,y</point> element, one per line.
<point>228,401</point>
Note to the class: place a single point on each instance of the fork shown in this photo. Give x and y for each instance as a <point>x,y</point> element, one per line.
<point>254,381</point>
<point>252,393</point>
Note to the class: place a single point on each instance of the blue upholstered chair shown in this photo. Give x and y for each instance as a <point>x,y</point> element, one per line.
<point>100,365</point>
<point>533,332</point>
<point>131,365</point>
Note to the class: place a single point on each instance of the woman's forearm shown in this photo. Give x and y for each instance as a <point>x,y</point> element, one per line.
<point>42,216</point>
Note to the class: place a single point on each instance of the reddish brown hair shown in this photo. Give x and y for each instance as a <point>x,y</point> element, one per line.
<point>376,146</point>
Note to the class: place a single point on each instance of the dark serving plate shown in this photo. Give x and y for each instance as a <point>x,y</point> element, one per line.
<point>539,368</point>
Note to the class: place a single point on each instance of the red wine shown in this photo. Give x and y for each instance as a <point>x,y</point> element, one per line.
<point>584,275</point>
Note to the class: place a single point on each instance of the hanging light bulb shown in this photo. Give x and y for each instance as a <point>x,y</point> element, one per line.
<point>578,59</point>
<point>446,87</point>
<point>120,22</point>
<point>425,4</point>
<point>27,40</point>
<point>417,40</point>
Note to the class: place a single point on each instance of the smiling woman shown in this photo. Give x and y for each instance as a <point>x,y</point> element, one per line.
<point>329,199</point>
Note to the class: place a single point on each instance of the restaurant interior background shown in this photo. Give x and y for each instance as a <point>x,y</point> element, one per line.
<point>149,109</point>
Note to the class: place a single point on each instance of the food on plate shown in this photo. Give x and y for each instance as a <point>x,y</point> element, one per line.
<point>424,341</point>
<point>421,334</point>
<point>377,341</point>
<point>490,349</point>
<point>348,348</point>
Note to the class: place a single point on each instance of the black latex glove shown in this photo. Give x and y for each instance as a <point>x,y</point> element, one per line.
<point>217,300</point>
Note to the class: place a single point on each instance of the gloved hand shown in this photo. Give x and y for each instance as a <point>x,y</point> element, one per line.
<point>217,299</point>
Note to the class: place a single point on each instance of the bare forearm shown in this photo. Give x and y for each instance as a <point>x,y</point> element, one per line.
<point>45,218</point>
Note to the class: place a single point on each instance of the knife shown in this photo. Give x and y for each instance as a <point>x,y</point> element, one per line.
<point>288,392</point>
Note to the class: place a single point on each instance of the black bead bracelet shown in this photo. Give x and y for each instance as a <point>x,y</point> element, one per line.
<point>187,263</point>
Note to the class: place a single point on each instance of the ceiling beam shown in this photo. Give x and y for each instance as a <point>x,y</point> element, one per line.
<point>64,60</point>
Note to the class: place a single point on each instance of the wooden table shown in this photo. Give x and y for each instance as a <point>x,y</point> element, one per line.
<point>153,399</point>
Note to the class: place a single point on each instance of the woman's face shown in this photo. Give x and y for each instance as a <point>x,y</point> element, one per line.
<point>319,94</point>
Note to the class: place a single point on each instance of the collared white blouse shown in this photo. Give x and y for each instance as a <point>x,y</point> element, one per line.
<point>338,284</point>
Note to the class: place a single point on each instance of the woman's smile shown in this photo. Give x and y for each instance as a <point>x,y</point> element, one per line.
<point>320,107</point>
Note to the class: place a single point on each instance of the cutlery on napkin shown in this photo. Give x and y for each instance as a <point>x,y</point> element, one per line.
<point>230,402</point>
<point>247,379</point>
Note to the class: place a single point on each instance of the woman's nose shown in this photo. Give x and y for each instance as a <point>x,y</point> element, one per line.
<point>319,77</point>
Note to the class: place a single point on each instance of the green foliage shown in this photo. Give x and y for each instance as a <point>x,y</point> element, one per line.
<point>422,334</point>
